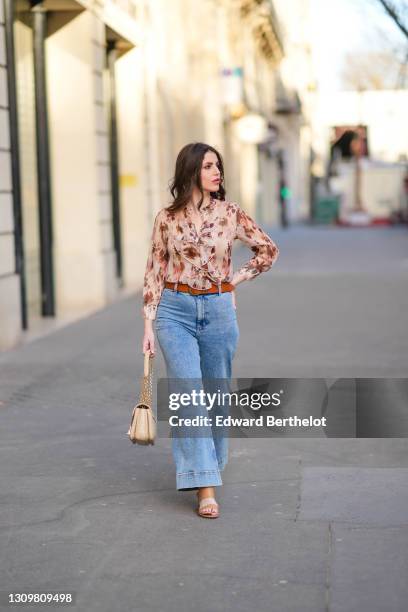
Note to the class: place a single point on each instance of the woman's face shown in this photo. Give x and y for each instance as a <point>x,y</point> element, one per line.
<point>210,172</point>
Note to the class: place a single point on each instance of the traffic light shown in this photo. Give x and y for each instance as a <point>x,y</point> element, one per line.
<point>285,193</point>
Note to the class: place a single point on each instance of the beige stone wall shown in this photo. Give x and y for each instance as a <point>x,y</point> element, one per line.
<point>80,183</point>
<point>133,160</point>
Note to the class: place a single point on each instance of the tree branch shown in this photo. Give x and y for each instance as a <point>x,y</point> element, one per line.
<point>390,10</point>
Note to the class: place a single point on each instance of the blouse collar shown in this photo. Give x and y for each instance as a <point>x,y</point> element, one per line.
<point>209,205</point>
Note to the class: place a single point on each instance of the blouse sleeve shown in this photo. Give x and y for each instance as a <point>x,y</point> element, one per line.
<point>266,251</point>
<point>156,267</point>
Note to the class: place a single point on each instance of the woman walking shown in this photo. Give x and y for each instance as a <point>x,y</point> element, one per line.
<point>189,289</point>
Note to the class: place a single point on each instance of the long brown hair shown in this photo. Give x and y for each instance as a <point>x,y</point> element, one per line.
<point>187,175</point>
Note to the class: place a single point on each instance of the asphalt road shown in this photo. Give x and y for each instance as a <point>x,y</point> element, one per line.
<point>306,524</point>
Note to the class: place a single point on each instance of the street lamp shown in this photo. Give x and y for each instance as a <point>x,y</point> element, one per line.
<point>252,128</point>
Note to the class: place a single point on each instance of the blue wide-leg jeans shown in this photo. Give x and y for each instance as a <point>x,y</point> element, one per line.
<point>198,336</point>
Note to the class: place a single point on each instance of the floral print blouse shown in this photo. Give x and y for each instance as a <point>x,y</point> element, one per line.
<point>181,254</point>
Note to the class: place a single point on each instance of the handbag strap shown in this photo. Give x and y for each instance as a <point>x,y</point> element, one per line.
<point>148,363</point>
<point>146,390</point>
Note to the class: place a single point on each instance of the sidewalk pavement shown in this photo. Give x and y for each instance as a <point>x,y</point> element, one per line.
<point>306,524</point>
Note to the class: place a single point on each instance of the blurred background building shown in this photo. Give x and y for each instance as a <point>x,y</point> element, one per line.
<point>357,112</point>
<point>98,96</point>
<point>70,153</point>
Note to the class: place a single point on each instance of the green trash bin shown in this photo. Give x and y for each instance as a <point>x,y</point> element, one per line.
<point>326,209</point>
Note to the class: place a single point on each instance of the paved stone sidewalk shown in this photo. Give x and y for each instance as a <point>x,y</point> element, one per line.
<point>306,524</point>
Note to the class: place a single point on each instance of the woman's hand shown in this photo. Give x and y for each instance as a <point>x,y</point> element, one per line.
<point>148,338</point>
<point>238,278</point>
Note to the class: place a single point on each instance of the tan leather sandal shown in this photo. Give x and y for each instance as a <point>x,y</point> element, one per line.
<point>209,512</point>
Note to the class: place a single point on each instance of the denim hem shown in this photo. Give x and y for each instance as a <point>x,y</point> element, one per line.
<point>192,480</point>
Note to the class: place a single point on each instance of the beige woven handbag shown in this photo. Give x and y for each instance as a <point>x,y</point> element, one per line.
<point>142,428</point>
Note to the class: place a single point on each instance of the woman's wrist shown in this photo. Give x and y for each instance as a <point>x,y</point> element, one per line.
<point>238,278</point>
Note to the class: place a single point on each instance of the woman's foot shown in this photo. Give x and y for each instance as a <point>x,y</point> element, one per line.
<point>207,506</point>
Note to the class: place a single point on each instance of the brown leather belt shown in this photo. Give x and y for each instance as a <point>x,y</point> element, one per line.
<point>187,289</point>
